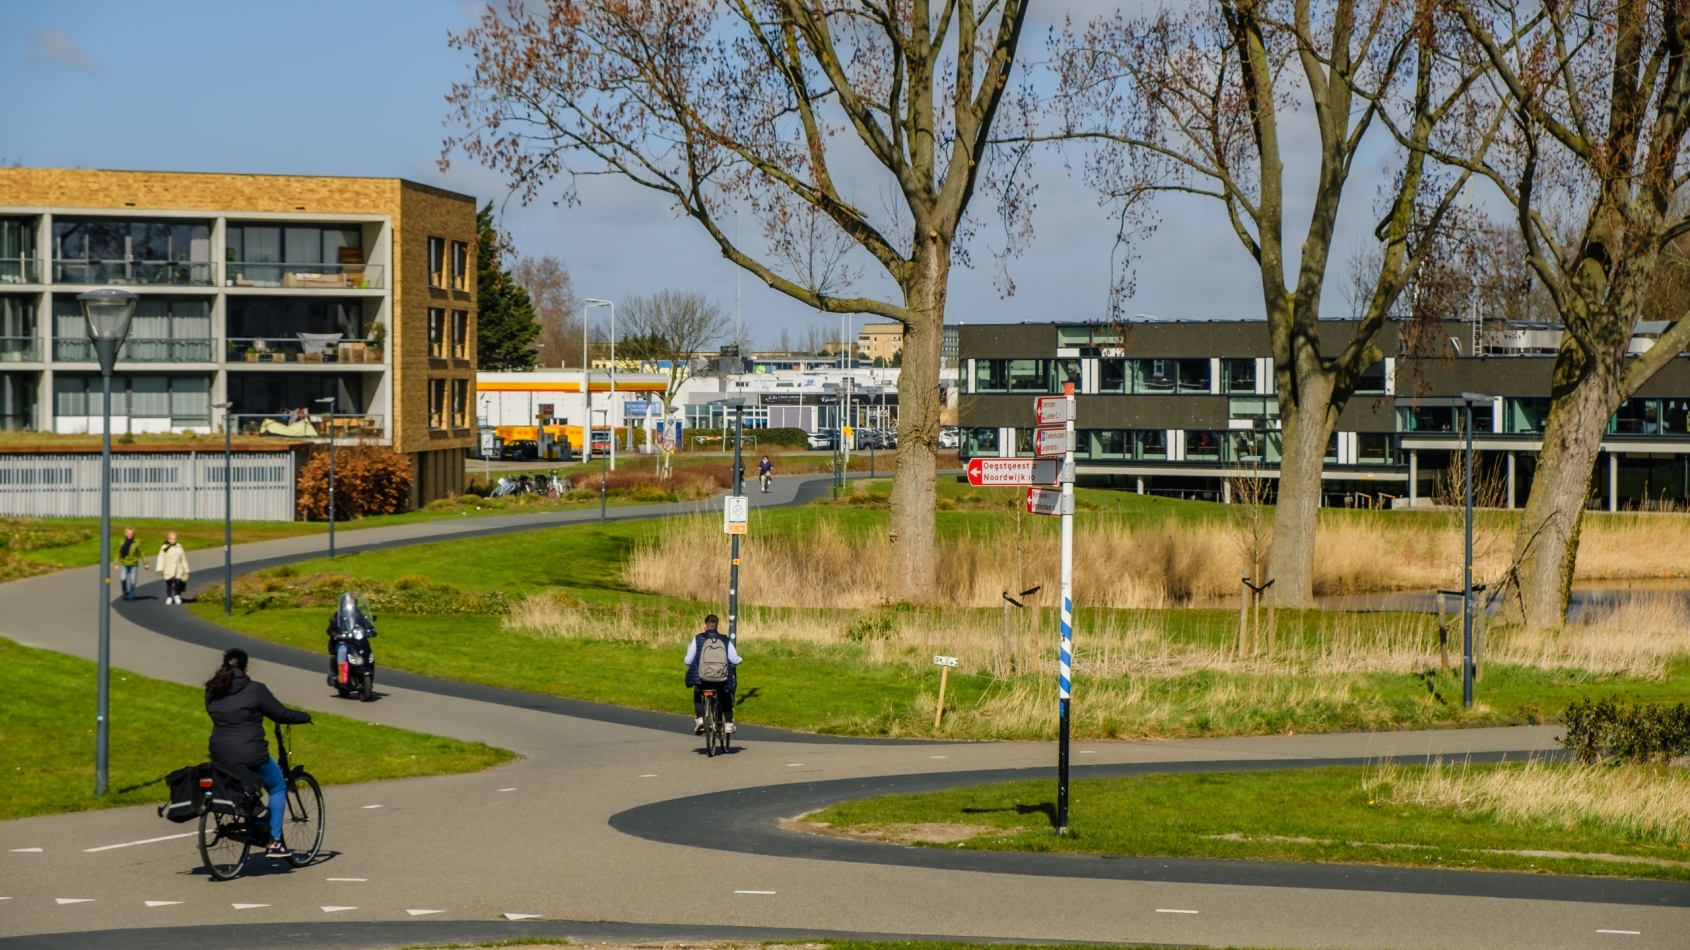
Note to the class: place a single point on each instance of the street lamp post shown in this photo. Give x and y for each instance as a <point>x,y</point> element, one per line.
<point>610,407</point>
<point>737,404</point>
<point>329,400</point>
<point>107,312</point>
<point>1467,401</point>
<point>228,509</point>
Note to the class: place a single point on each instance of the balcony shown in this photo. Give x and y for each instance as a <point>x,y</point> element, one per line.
<point>290,425</point>
<point>20,270</point>
<point>135,350</point>
<point>303,348</point>
<point>303,276</point>
<point>18,349</point>
<point>143,273</point>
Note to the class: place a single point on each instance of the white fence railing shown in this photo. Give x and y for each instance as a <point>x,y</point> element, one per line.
<point>186,485</point>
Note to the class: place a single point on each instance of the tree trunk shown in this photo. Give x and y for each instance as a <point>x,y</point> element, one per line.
<point>1547,542</point>
<point>1296,512</point>
<point>912,569</point>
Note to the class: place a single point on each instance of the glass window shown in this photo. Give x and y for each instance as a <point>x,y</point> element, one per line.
<point>1332,448</point>
<point>1372,381</point>
<point>460,265</point>
<point>1637,417</point>
<point>460,403</point>
<point>460,334</point>
<point>1152,444</point>
<point>1248,447</point>
<point>436,262</point>
<point>1525,415</point>
<point>117,251</point>
<point>190,401</point>
<point>982,442</point>
<point>437,332</point>
<point>1201,445</point>
<point>1374,448</point>
<point>1023,443</point>
<point>17,251</point>
<point>302,245</point>
<point>1193,376</point>
<point>286,317</point>
<point>1112,376</point>
<point>149,397</point>
<point>1238,376</point>
<point>17,329</point>
<point>1106,443</point>
<point>17,402</point>
<point>70,396</point>
<point>437,404</point>
<point>1064,371</point>
<point>1001,376</point>
<point>1675,416</point>
<point>1155,376</point>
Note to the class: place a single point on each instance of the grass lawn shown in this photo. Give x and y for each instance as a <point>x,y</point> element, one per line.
<point>1330,814</point>
<point>47,730</point>
<point>1139,673</point>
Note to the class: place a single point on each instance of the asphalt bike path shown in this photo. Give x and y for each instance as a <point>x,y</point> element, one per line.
<point>588,835</point>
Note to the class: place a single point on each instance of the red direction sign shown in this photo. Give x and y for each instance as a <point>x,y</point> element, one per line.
<point>1056,440</point>
<point>1051,410</point>
<point>1009,472</point>
<point>1044,501</point>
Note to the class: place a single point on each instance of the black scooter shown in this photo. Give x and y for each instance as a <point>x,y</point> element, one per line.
<point>352,664</point>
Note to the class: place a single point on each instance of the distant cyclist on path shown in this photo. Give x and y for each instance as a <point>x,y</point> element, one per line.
<point>765,468</point>
<point>712,663</point>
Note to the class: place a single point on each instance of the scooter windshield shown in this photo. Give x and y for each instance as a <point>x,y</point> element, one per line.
<point>354,616</point>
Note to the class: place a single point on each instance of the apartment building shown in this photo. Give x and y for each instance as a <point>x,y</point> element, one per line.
<point>270,291</point>
<point>1177,408</point>
<point>880,341</point>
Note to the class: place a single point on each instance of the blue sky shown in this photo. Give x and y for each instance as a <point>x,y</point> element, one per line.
<point>356,88</point>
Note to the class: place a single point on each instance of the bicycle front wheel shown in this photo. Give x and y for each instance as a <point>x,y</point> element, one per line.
<point>223,845</point>
<point>302,828</point>
<point>711,735</point>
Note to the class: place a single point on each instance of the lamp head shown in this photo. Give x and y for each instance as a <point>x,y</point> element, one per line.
<point>108,311</point>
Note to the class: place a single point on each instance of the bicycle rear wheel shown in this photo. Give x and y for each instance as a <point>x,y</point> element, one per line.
<point>302,827</point>
<point>223,845</point>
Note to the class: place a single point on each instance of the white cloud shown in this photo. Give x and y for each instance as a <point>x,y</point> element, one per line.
<point>56,47</point>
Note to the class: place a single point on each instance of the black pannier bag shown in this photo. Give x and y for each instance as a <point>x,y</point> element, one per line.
<point>233,789</point>
<point>187,793</point>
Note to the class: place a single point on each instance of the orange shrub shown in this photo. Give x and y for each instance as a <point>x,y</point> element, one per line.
<point>368,480</point>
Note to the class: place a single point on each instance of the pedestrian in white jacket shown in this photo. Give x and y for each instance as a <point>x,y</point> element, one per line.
<point>172,562</point>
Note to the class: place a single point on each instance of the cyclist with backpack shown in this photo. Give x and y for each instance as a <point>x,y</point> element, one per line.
<point>712,663</point>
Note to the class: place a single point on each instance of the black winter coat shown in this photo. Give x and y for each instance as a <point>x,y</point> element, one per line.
<point>237,722</point>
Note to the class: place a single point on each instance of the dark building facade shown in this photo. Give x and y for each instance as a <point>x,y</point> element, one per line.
<point>1179,408</point>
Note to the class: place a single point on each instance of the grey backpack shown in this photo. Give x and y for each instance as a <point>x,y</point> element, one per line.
<point>713,660</point>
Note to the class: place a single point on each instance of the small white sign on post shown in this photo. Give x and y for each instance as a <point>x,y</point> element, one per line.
<point>1051,410</point>
<point>1044,501</point>
<point>1056,440</point>
<point>1011,472</point>
<point>735,513</point>
<point>944,663</point>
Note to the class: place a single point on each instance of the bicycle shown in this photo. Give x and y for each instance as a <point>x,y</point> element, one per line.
<point>225,840</point>
<point>766,479</point>
<point>716,736</point>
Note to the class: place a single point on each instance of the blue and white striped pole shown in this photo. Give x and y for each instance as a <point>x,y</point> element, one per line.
<point>1064,672</point>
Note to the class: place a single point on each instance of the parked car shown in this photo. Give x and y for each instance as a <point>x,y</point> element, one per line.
<point>520,450</point>
<point>949,437</point>
<point>874,439</point>
<point>823,439</point>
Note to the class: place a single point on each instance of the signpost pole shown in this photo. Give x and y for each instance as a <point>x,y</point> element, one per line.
<point>739,489</point>
<point>1065,661</point>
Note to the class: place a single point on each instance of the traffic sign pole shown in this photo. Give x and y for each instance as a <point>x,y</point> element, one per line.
<point>1065,660</point>
<point>739,489</point>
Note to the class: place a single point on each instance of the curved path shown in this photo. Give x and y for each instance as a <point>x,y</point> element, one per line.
<point>590,831</point>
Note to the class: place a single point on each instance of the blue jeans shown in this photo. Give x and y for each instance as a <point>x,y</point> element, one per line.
<point>277,786</point>
<point>128,574</point>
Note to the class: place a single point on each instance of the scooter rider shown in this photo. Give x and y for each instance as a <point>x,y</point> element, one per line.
<point>712,663</point>
<point>350,630</point>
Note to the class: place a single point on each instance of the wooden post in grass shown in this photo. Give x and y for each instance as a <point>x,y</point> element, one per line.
<point>1273,627</point>
<point>1443,634</point>
<point>944,663</point>
<point>1244,612</point>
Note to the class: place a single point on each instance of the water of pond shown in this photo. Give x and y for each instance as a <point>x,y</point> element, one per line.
<point>1586,595</point>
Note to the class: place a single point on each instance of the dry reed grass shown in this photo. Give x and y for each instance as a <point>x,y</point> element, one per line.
<point>1636,802</point>
<point>1155,566</point>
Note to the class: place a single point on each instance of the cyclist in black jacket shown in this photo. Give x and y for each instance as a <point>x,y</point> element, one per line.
<point>238,707</point>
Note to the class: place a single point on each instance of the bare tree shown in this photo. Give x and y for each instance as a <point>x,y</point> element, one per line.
<point>556,308</point>
<point>1594,172</point>
<point>1193,101</point>
<point>669,328</point>
<point>762,104</point>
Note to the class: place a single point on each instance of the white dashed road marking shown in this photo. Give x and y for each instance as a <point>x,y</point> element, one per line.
<point>507,789</point>
<point>160,903</point>
<point>74,900</point>
<point>651,775</point>
<point>418,913</point>
<point>127,844</point>
<point>938,756</point>
<point>1631,933</point>
<point>793,765</point>
<point>26,850</point>
<point>372,806</point>
<point>359,879</point>
<point>1168,910</point>
<point>753,892</point>
<point>247,906</point>
<point>331,908</point>
<point>522,916</point>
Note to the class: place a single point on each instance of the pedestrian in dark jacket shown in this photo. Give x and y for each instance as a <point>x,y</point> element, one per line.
<point>238,707</point>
